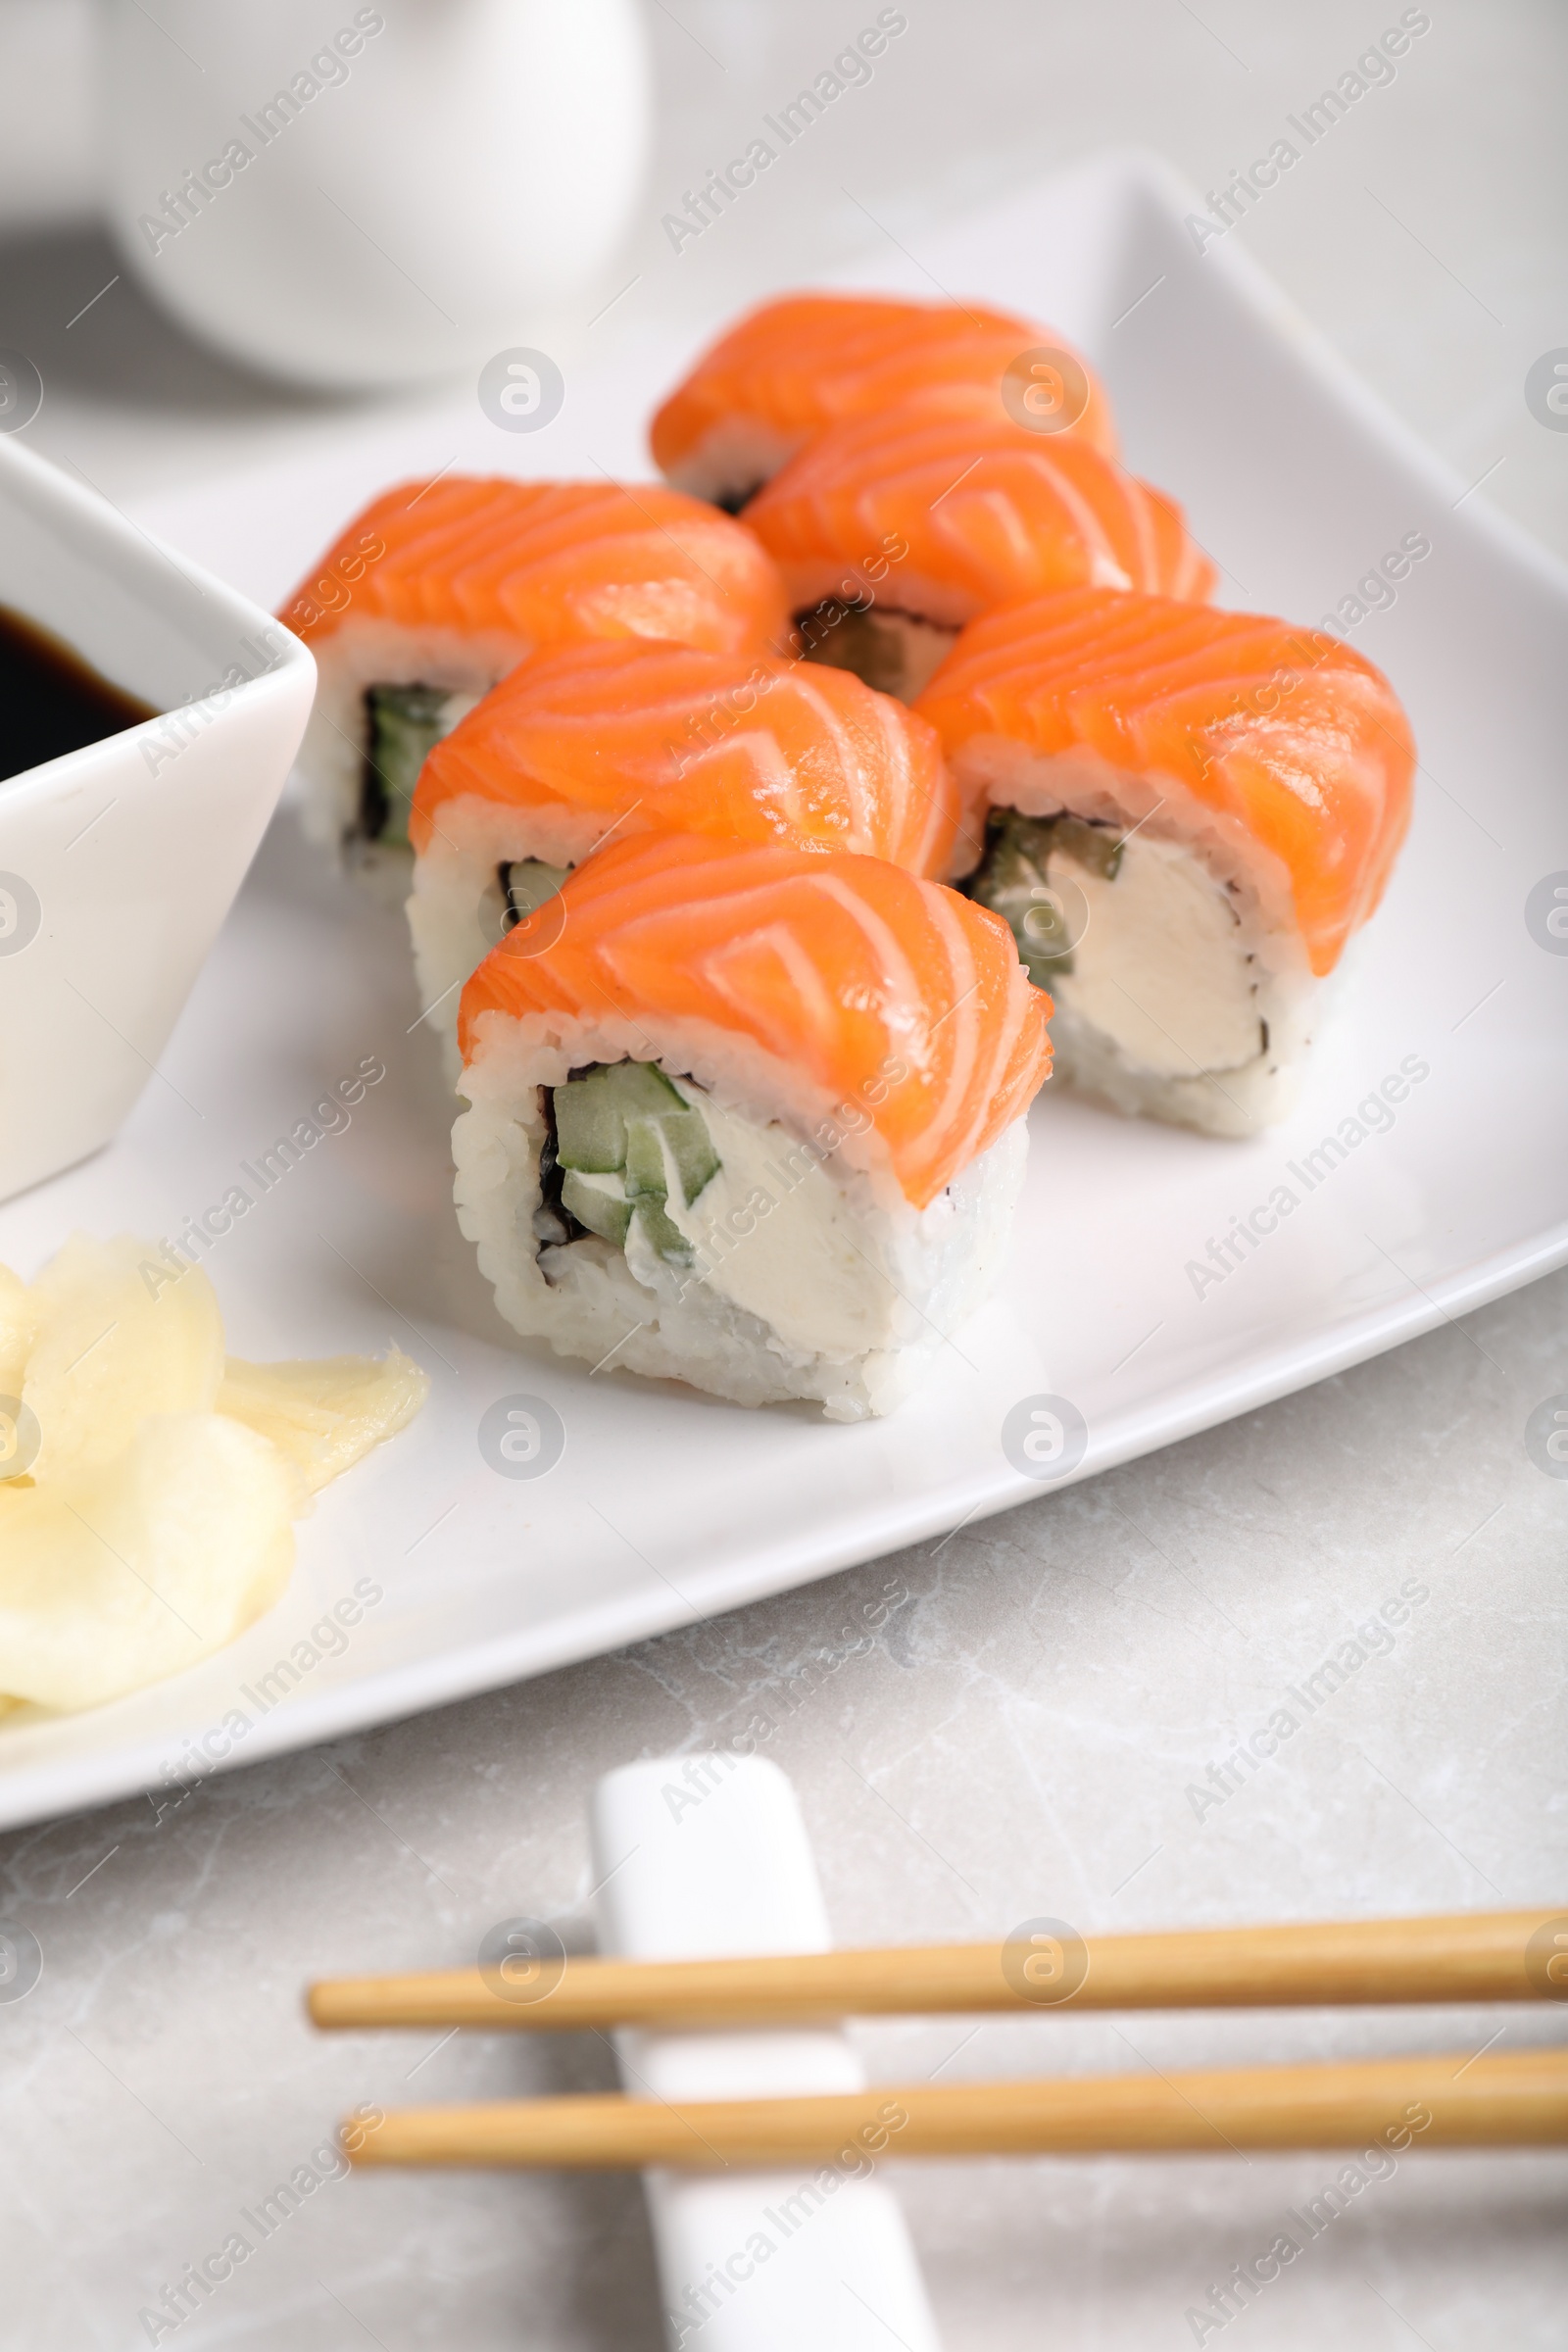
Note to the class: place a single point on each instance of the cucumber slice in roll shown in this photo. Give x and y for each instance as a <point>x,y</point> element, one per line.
<point>599,1203</point>
<point>405,725</point>
<point>623,1137</point>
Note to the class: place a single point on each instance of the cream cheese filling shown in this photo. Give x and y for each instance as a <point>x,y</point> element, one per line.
<point>1158,959</point>
<point>774,1235</point>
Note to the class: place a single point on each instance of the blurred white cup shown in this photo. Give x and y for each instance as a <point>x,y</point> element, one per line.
<point>349,196</point>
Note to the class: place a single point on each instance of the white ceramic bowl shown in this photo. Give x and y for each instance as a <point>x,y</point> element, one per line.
<point>381,195</point>
<point>118,862</point>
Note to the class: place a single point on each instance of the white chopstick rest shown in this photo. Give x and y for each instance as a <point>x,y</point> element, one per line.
<point>705,1857</point>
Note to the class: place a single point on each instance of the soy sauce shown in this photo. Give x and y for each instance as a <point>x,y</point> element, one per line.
<point>51,701</point>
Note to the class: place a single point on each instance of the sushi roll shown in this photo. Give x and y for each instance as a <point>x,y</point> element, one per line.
<point>747,1117</point>
<point>631,738</point>
<point>965,510</point>
<point>797,364</point>
<point>1190,815</point>
<point>432,594</point>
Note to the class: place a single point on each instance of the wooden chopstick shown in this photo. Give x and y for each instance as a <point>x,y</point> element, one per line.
<point>1468,1956</point>
<point>1397,2103</point>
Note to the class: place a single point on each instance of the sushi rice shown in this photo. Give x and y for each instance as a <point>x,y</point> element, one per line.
<point>808,1277</point>
<point>337,760</point>
<point>1191,814</point>
<point>747,1117</point>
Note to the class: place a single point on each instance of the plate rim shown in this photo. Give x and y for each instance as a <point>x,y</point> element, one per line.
<point>873,1528</point>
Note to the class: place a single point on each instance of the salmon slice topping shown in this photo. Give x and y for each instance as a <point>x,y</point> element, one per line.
<point>549,564</point>
<point>957,508</point>
<point>805,361</point>
<point>903,1006</point>
<point>672,738</point>
<point>1285,730</point>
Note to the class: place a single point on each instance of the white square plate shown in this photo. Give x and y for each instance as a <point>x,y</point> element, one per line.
<point>666,1507</point>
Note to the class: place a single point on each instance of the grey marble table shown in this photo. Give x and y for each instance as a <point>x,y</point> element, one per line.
<point>1040,1716</point>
